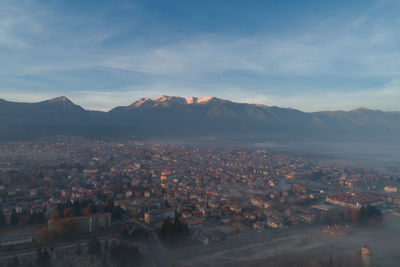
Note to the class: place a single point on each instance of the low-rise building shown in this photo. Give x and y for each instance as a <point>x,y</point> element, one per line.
<point>15,236</point>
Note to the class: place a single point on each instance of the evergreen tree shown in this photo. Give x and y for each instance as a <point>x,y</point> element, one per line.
<point>78,251</point>
<point>14,262</point>
<point>125,255</point>
<point>42,258</point>
<point>174,232</point>
<point>92,208</point>
<point>124,234</point>
<point>106,246</point>
<point>94,246</point>
<point>36,218</point>
<point>2,219</point>
<point>104,262</point>
<point>38,255</point>
<point>330,263</point>
<point>45,259</point>
<point>14,217</point>
<point>109,205</point>
<point>116,213</point>
<point>368,212</point>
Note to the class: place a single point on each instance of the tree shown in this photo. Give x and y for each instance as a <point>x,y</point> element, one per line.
<point>44,236</point>
<point>89,209</point>
<point>104,262</point>
<point>369,214</point>
<point>78,167</point>
<point>346,212</point>
<point>64,165</point>
<point>65,229</point>
<point>76,208</point>
<point>106,246</point>
<point>78,251</point>
<point>92,208</point>
<point>38,254</point>
<point>117,188</point>
<point>42,258</point>
<point>115,210</point>
<point>124,234</point>
<point>45,258</point>
<point>55,215</point>
<point>362,216</point>
<point>101,196</point>
<point>116,213</point>
<point>94,246</point>
<point>14,217</point>
<point>166,228</point>
<point>125,255</point>
<point>174,232</point>
<point>14,262</point>
<point>355,214</point>
<point>109,205</point>
<point>36,218</point>
<point>67,212</point>
<point>330,263</point>
<point>2,219</point>
<point>139,234</point>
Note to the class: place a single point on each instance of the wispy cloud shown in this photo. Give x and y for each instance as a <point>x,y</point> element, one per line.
<point>335,63</point>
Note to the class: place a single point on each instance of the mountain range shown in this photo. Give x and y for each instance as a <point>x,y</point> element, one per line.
<point>171,116</point>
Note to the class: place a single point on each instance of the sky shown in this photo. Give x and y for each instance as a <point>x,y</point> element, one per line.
<point>309,55</point>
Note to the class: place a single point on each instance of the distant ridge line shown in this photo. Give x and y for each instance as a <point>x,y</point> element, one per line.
<point>194,100</point>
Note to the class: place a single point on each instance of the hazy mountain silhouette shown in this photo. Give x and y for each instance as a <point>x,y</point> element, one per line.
<point>169,116</point>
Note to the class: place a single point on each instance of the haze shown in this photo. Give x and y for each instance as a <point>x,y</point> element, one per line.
<point>199,133</point>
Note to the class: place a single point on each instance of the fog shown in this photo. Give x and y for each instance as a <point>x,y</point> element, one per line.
<point>384,156</point>
<point>300,247</point>
<point>381,155</point>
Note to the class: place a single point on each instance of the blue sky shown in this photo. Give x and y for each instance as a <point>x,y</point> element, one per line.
<point>310,55</point>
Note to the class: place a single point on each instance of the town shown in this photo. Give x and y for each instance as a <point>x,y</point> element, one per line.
<point>71,201</point>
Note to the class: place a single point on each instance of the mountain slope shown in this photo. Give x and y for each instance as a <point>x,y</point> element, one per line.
<point>170,116</point>
<point>51,117</point>
<point>360,121</point>
<point>207,116</point>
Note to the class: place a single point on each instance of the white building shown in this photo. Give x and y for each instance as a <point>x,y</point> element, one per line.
<point>15,236</point>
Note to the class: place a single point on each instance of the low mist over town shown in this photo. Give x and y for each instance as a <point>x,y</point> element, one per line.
<point>188,133</point>
<point>74,201</point>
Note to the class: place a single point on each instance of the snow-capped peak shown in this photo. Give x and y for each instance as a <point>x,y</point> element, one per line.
<point>198,100</point>
<point>172,100</point>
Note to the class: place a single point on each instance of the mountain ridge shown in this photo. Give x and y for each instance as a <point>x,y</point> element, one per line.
<point>191,116</point>
<point>200,100</point>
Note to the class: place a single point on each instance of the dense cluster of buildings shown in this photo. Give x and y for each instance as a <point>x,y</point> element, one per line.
<point>217,191</point>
